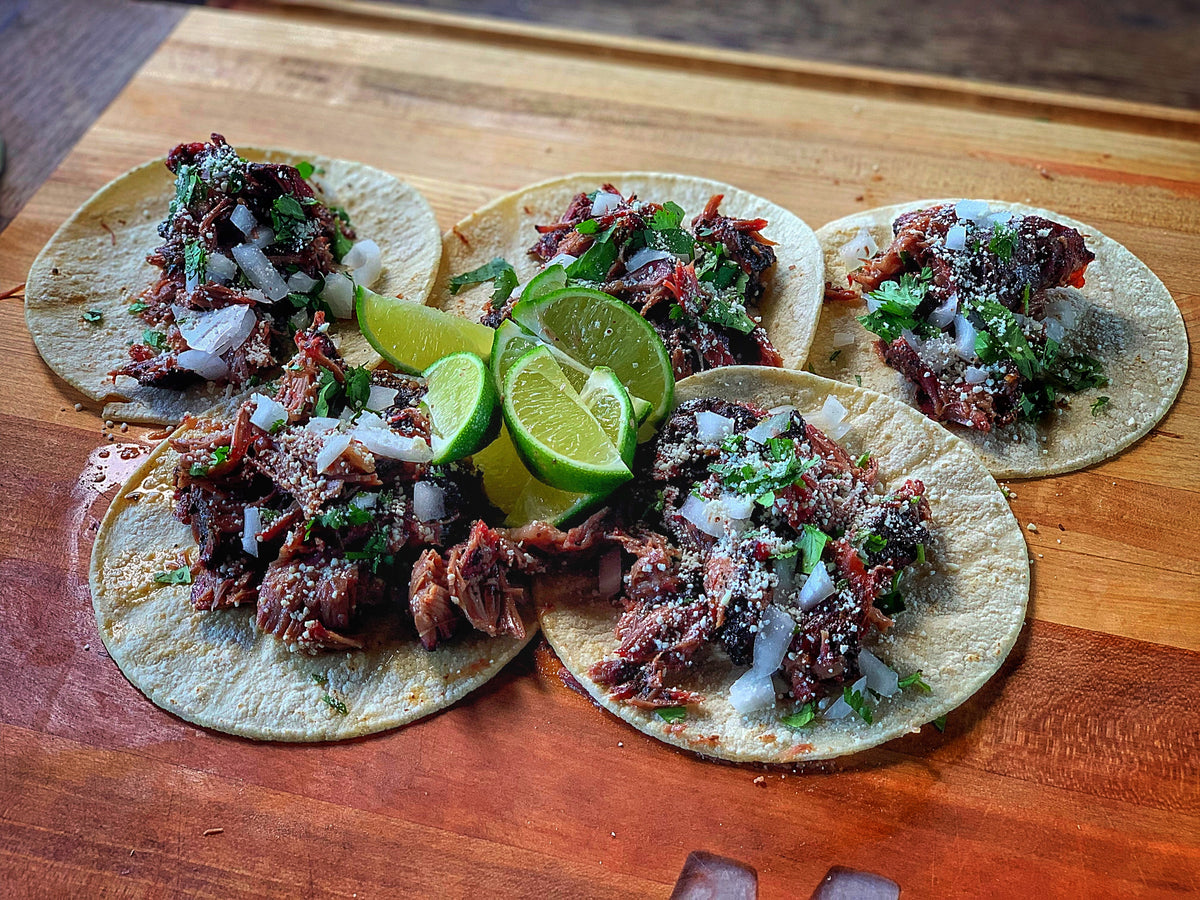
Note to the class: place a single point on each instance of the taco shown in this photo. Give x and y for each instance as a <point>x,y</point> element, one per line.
<point>1044,344</point>
<point>724,277</point>
<point>806,569</point>
<point>298,570</point>
<point>180,283</point>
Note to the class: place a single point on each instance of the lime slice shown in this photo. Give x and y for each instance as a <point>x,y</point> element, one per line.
<point>412,336</point>
<point>545,282</point>
<point>512,342</point>
<point>519,495</point>
<point>598,330</point>
<point>606,398</point>
<point>464,411</point>
<point>557,437</point>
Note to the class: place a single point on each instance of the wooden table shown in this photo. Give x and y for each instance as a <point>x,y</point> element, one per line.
<point>1075,772</point>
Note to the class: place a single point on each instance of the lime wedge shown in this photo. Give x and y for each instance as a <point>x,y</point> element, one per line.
<point>518,494</point>
<point>412,336</point>
<point>558,438</point>
<point>545,282</point>
<point>595,329</point>
<point>464,411</point>
<point>606,398</point>
<point>512,342</point>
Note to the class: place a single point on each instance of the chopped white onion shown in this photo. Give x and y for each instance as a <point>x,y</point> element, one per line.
<point>243,219</point>
<point>322,423</point>
<point>335,445</point>
<point>207,365</point>
<point>843,338</point>
<point>252,522</point>
<point>696,511</point>
<point>769,428</point>
<point>645,256</point>
<point>858,250</point>
<point>882,679</point>
<point>339,294</point>
<point>751,692</point>
<point>972,209</point>
<point>301,282</point>
<point>956,237</point>
<point>260,271</point>
<point>216,330</point>
<point>737,506</point>
<point>712,428</point>
<point>604,203</point>
<point>366,262</point>
<point>269,413</point>
<point>964,337</point>
<point>374,434</point>
<point>256,295</point>
<point>364,500</point>
<point>192,281</point>
<point>975,375</point>
<point>873,303</point>
<point>785,577</point>
<point>838,709</point>
<point>775,629</point>
<point>999,217</point>
<point>609,576</point>
<point>429,501</point>
<point>913,341</point>
<point>1054,329</point>
<point>381,398</point>
<point>830,418</point>
<point>220,268</point>
<point>944,314</point>
<point>816,588</point>
<point>561,259</point>
<point>262,237</point>
<point>1064,311</point>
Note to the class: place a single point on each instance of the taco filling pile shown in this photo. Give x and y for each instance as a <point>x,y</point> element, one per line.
<point>961,303</point>
<point>250,251</point>
<point>697,285</point>
<point>315,505</point>
<point>763,538</point>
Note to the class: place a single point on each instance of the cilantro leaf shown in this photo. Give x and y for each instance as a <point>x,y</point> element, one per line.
<point>756,478</point>
<point>218,456</point>
<point>286,216</point>
<point>336,705</point>
<point>728,314</point>
<point>182,575</point>
<point>587,226</point>
<point>898,302</point>
<point>339,517</point>
<point>595,262</point>
<point>811,546</point>
<point>137,307</point>
<point>940,723</point>
<point>358,387</point>
<point>92,316</point>
<point>857,702</point>
<point>1003,242</point>
<point>305,168</point>
<point>805,715</point>
<point>341,244</point>
<point>320,678</point>
<point>188,187</point>
<point>195,261</point>
<point>893,601</point>
<point>1099,406</point>
<point>667,218</point>
<point>672,713</point>
<point>374,551</point>
<point>155,339</point>
<point>915,680</point>
<point>498,271</point>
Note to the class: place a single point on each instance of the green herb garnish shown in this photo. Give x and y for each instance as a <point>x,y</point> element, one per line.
<point>1099,405</point>
<point>92,316</point>
<point>137,307</point>
<point>155,339</point>
<point>893,601</point>
<point>940,723</point>
<point>898,302</point>
<point>305,168</point>
<point>218,456</point>
<point>915,680</point>
<point>1003,242</point>
<point>320,678</point>
<point>801,717</point>
<point>811,545</point>
<point>498,271</point>
<point>874,543</point>
<point>595,262</point>
<point>336,705</point>
<point>339,517</point>
<point>587,226</point>
<point>287,215</point>
<point>195,261</point>
<point>754,479</point>
<point>374,551</point>
<point>857,702</point>
<point>863,460</point>
<point>672,713</point>
<point>188,187</point>
<point>182,575</point>
<point>728,314</point>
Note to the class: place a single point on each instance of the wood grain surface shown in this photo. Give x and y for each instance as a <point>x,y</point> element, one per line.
<point>1074,773</point>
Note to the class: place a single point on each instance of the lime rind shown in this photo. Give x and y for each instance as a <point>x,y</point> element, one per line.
<point>412,336</point>
<point>463,406</point>
<point>557,438</point>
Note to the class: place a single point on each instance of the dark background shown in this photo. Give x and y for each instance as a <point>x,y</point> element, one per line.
<point>62,61</point>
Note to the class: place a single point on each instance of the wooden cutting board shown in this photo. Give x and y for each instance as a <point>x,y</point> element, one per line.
<point>1075,772</point>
